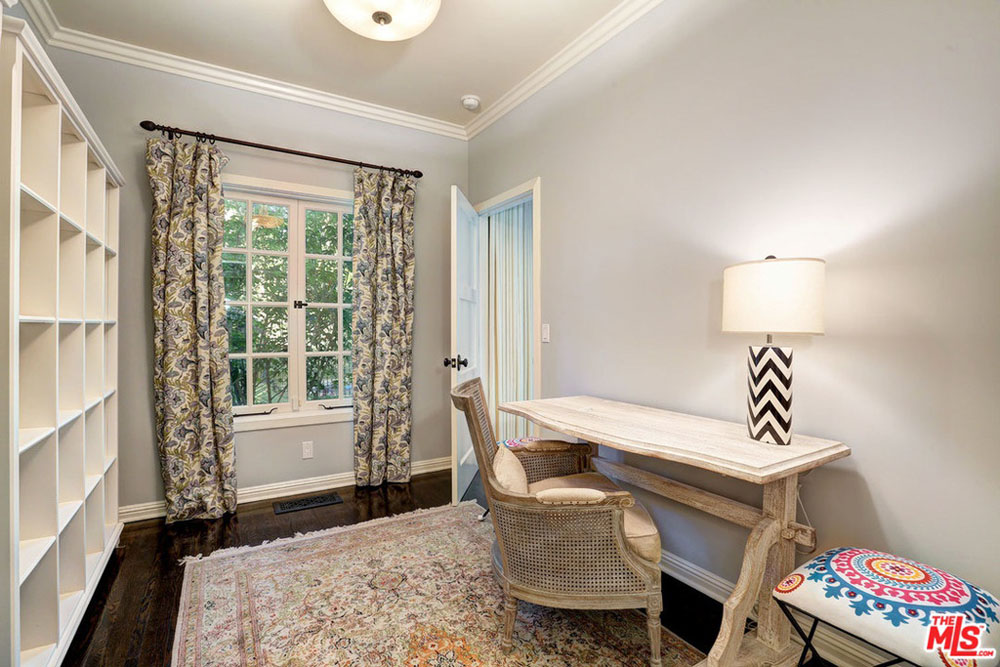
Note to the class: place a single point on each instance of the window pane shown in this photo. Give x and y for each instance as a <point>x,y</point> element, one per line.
<point>236,322</point>
<point>348,221</point>
<point>238,380</point>
<point>321,232</point>
<point>321,378</point>
<point>270,227</point>
<point>321,329</point>
<point>234,272</point>
<point>348,328</point>
<point>270,278</point>
<point>321,280</point>
<point>348,377</point>
<point>348,282</point>
<point>270,380</point>
<point>270,329</point>
<point>235,214</point>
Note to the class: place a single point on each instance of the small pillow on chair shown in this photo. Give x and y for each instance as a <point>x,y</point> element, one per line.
<point>509,471</point>
<point>570,496</point>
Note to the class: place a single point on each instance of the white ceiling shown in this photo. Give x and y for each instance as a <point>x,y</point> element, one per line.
<point>483,47</point>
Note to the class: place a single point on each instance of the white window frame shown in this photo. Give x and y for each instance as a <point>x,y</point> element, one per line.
<point>298,197</point>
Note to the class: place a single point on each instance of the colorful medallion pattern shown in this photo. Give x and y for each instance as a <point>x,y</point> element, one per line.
<point>790,583</point>
<point>514,442</point>
<point>899,589</point>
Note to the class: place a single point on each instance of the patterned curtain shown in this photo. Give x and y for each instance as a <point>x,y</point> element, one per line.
<point>194,412</point>
<point>382,345</point>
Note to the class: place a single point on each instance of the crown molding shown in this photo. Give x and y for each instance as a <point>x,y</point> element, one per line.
<point>619,18</point>
<point>61,37</point>
<point>609,25</point>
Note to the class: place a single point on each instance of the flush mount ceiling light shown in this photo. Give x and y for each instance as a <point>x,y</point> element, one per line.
<point>385,20</point>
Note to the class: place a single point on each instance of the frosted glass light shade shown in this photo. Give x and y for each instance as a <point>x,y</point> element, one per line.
<point>409,18</point>
<point>774,296</point>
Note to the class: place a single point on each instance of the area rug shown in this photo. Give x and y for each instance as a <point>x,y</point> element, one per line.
<point>415,589</point>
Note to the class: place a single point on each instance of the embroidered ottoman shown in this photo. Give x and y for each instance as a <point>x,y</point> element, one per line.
<point>895,604</point>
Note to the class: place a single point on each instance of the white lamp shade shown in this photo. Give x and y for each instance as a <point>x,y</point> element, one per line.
<point>409,17</point>
<point>774,296</point>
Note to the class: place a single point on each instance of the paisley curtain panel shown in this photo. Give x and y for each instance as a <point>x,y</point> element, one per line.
<point>194,413</point>
<point>383,326</point>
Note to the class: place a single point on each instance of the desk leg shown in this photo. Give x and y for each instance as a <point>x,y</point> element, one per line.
<point>779,503</point>
<point>737,607</point>
<point>769,555</point>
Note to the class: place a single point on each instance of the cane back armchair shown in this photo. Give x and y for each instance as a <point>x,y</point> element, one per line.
<point>558,548</point>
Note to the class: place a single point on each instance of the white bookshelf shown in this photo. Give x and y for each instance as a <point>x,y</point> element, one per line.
<point>61,191</point>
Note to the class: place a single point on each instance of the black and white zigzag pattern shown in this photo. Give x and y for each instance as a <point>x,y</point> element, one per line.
<point>769,401</point>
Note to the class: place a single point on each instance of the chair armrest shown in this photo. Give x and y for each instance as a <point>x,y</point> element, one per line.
<point>545,446</point>
<point>582,496</point>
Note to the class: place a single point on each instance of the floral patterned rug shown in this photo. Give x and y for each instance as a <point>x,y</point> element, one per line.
<point>415,589</point>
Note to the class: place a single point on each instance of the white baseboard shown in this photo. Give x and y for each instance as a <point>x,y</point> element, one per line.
<point>156,509</point>
<point>834,646</point>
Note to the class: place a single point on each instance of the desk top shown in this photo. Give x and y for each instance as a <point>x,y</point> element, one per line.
<point>711,444</point>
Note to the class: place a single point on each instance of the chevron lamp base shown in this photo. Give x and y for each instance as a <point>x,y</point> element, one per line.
<point>769,394</point>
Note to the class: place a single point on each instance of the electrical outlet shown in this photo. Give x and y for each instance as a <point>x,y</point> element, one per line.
<point>307,449</point>
<point>546,333</point>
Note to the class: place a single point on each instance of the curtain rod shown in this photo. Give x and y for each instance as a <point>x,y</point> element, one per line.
<point>150,126</point>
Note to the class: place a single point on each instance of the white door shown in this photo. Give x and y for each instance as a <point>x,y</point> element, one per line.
<point>465,359</point>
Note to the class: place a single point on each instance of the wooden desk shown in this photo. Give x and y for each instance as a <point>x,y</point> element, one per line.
<point>724,448</point>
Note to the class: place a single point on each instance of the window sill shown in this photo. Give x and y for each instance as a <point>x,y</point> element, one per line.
<point>290,419</point>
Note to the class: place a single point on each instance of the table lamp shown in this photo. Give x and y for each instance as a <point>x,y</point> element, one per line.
<point>772,296</point>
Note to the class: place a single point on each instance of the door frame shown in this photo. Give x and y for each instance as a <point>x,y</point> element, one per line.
<point>532,187</point>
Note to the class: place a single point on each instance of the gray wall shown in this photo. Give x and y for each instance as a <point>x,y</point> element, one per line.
<point>115,97</point>
<point>715,132</point>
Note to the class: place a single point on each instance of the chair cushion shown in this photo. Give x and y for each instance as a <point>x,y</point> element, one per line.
<point>509,471</point>
<point>889,601</point>
<point>641,535</point>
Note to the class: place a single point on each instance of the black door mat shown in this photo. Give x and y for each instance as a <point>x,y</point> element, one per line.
<point>285,506</point>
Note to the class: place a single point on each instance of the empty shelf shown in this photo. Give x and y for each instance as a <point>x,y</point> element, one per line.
<point>67,222</point>
<point>37,657</point>
<point>70,320</point>
<point>92,560</point>
<point>111,251</point>
<point>34,201</point>
<point>67,605</point>
<point>108,462</point>
<point>90,483</point>
<point>92,402</point>
<point>32,552</point>
<point>29,437</point>
<point>67,416</point>
<point>93,240</point>
<point>67,511</point>
<point>37,319</point>
<point>93,322</point>
<point>108,393</point>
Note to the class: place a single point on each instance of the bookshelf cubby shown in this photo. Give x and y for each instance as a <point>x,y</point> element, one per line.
<point>63,190</point>
<point>96,187</point>
<point>71,268</point>
<point>39,239</point>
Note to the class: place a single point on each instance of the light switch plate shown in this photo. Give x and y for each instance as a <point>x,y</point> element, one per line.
<point>307,449</point>
<point>546,334</point>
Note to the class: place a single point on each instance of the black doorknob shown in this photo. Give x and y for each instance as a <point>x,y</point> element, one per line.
<point>448,362</point>
<point>462,362</point>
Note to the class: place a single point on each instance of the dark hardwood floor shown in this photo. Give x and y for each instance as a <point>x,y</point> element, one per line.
<point>131,618</point>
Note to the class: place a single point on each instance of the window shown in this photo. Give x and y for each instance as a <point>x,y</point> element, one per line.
<point>289,286</point>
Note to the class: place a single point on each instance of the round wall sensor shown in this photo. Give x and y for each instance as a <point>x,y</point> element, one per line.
<point>470,102</point>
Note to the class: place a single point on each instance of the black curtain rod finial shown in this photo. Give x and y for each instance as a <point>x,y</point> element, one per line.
<point>171,132</point>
